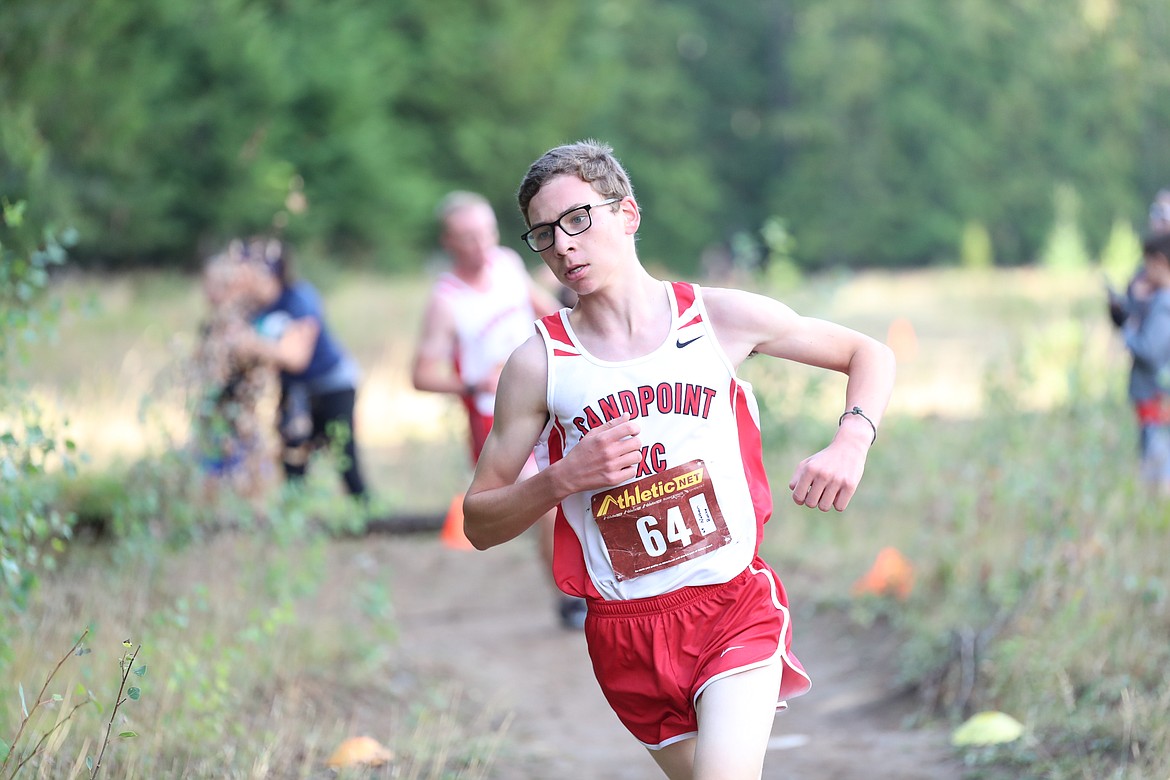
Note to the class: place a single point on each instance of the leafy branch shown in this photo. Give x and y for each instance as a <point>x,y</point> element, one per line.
<point>133,692</point>
<point>40,700</point>
<point>17,760</point>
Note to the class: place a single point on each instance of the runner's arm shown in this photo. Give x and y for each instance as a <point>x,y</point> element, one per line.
<point>747,323</point>
<point>497,508</point>
<point>433,368</point>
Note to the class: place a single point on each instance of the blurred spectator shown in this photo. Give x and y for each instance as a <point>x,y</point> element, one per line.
<point>231,446</point>
<point>1137,292</point>
<point>318,378</point>
<point>1148,338</point>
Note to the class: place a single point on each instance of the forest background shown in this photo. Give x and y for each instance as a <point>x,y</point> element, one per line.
<point>872,134</point>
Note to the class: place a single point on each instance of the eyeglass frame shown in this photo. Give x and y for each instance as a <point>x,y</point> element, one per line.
<point>557,223</point>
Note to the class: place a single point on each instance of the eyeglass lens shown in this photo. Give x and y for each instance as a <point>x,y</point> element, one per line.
<point>542,236</point>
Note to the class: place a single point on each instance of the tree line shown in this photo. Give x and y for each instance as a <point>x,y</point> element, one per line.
<point>876,134</point>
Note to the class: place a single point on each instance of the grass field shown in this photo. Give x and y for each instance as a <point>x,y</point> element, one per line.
<point>1004,472</point>
<point>122,341</point>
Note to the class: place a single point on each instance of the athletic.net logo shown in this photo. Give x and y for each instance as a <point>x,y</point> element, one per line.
<point>660,521</point>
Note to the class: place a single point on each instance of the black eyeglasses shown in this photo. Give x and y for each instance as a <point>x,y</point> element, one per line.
<point>572,222</point>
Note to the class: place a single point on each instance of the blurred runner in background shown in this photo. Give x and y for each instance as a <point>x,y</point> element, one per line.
<point>480,310</point>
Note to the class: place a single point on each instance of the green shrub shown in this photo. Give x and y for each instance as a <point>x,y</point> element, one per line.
<point>1122,254</point>
<point>1065,249</point>
<point>31,530</point>
<point>1040,583</point>
<point>1041,589</point>
<point>975,249</point>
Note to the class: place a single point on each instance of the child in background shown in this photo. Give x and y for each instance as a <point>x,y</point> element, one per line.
<point>1147,336</point>
<point>230,443</point>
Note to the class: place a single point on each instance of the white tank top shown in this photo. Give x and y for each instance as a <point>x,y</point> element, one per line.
<point>695,511</point>
<point>489,323</point>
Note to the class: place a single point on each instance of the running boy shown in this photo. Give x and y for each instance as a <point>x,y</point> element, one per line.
<point>651,457</point>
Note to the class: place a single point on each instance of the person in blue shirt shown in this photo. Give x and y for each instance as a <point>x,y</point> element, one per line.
<point>318,378</point>
<point>1147,336</point>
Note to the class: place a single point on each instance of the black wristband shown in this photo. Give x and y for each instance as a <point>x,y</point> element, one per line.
<point>857,411</point>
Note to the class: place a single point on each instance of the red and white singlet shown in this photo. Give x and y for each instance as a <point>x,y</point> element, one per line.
<point>491,322</point>
<point>695,511</point>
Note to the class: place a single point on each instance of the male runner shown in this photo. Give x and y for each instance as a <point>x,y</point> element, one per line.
<point>652,461</point>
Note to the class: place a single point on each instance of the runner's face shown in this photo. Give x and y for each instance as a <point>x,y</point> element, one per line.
<point>470,236</point>
<point>583,262</point>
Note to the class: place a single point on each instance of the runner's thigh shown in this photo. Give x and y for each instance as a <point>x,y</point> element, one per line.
<point>677,760</point>
<point>735,721</point>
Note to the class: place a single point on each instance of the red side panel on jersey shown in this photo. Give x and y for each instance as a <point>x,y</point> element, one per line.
<point>752,454</point>
<point>569,570</point>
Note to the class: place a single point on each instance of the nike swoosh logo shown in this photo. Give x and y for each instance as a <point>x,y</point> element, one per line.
<point>681,344</point>
<point>728,650</point>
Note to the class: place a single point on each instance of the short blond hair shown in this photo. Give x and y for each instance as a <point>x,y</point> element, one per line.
<point>591,161</point>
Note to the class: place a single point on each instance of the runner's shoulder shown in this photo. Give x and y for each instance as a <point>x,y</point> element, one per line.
<point>528,362</point>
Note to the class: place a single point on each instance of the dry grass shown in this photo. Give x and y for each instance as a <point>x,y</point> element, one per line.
<point>260,658</point>
<point>120,338</point>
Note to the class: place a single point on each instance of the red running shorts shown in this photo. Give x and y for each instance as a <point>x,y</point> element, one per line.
<point>653,657</point>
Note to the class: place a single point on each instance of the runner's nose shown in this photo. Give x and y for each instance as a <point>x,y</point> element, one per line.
<point>563,242</point>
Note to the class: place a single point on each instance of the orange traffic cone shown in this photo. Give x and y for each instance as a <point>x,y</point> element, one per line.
<point>902,339</point>
<point>890,575</point>
<point>452,533</point>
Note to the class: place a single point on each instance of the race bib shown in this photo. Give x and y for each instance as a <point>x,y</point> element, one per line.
<point>660,521</point>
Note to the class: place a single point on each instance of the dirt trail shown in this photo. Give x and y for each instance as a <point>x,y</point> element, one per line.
<point>486,619</point>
